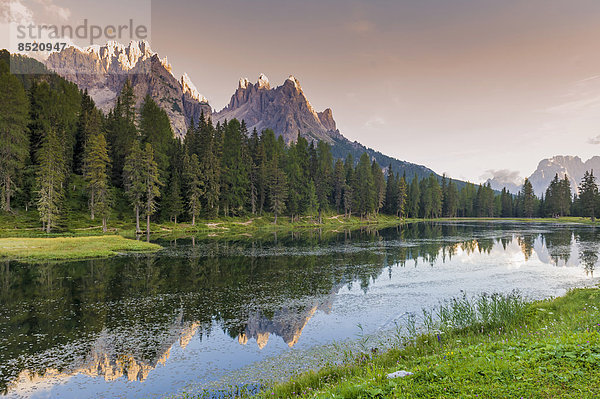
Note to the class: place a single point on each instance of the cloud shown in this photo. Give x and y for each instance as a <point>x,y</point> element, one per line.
<point>375,122</point>
<point>54,10</point>
<point>503,176</point>
<point>594,140</point>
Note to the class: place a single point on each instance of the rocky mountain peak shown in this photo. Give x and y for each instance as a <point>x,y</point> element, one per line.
<point>189,88</point>
<point>291,80</point>
<point>103,70</point>
<point>285,109</point>
<point>263,82</point>
<point>244,83</point>
<point>326,118</point>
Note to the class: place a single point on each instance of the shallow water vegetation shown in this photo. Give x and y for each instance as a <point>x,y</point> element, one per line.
<point>492,346</point>
<point>42,249</point>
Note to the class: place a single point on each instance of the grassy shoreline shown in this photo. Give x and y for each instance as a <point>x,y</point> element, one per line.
<point>70,248</point>
<point>24,224</point>
<point>22,227</point>
<point>544,349</point>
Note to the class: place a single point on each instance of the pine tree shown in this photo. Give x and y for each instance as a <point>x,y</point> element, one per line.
<point>339,180</point>
<point>378,186</point>
<point>277,188</point>
<point>588,195</point>
<point>174,202</point>
<point>152,183</point>
<point>134,180</point>
<point>155,128</point>
<point>528,199</point>
<point>121,132</point>
<point>96,164</point>
<point>435,191</point>
<point>195,185</point>
<point>451,200</point>
<point>391,193</point>
<point>414,198</point>
<point>364,186</point>
<point>50,179</point>
<point>14,141</point>
<point>323,176</point>
<point>235,176</point>
<point>401,198</point>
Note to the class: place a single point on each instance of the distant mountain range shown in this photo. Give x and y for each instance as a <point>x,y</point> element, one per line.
<point>571,166</point>
<point>285,109</point>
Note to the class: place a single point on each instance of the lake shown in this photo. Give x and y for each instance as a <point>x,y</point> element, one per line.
<point>209,313</point>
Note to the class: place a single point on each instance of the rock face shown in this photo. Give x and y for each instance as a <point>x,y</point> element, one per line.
<point>571,166</point>
<point>284,109</point>
<point>103,70</point>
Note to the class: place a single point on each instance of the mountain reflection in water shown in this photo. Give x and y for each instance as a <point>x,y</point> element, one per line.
<point>121,318</point>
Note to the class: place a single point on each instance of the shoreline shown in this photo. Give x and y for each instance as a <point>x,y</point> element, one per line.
<point>545,348</point>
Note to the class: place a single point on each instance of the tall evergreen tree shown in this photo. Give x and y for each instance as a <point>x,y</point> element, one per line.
<point>588,195</point>
<point>235,176</point>
<point>121,131</point>
<point>528,199</point>
<point>196,188</point>
<point>401,197</point>
<point>364,188</point>
<point>277,188</point>
<point>414,198</point>
<point>134,180</point>
<point>14,140</point>
<point>50,179</point>
<point>96,164</point>
<point>378,186</point>
<point>152,183</point>
<point>339,180</point>
<point>174,201</point>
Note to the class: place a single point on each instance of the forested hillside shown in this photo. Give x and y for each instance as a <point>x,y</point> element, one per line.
<point>62,157</point>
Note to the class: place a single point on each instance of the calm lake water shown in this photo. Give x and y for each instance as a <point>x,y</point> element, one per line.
<point>205,313</point>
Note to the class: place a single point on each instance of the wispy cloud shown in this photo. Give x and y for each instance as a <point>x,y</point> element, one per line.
<point>375,122</point>
<point>503,176</point>
<point>594,140</point>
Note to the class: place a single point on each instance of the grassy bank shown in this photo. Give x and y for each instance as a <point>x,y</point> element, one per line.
<point>492,348</point>
<point>39,249</point>
<point>26,224</point>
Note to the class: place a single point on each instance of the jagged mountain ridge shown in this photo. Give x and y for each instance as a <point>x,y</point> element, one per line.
<point>571,166</point>
<point>102,71</point>
<point>287,111</point>
<point>564,165</point>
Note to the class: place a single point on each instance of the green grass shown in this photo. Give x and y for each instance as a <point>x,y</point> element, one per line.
<point>494,347</point>
<point>70,248</point>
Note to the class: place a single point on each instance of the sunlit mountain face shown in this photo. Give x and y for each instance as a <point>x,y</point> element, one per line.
<point>212,307</point>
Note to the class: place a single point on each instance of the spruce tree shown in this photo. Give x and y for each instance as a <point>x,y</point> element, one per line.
<point>195,185</point>
<point>277,188</point>
<point>588,195</point>
<point>152,183</point>
<point>96,166</point>
<point>378,186</point>
<point>528,199</point>
<point>121,132</point>
<point>50,179</point>
<point>401,197</point>
<point>134,180</point>
<point>174,201</point>
<point>364,187</point>
<point>14,140</point>
<point>414,197</point>
<point>339,180</point>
